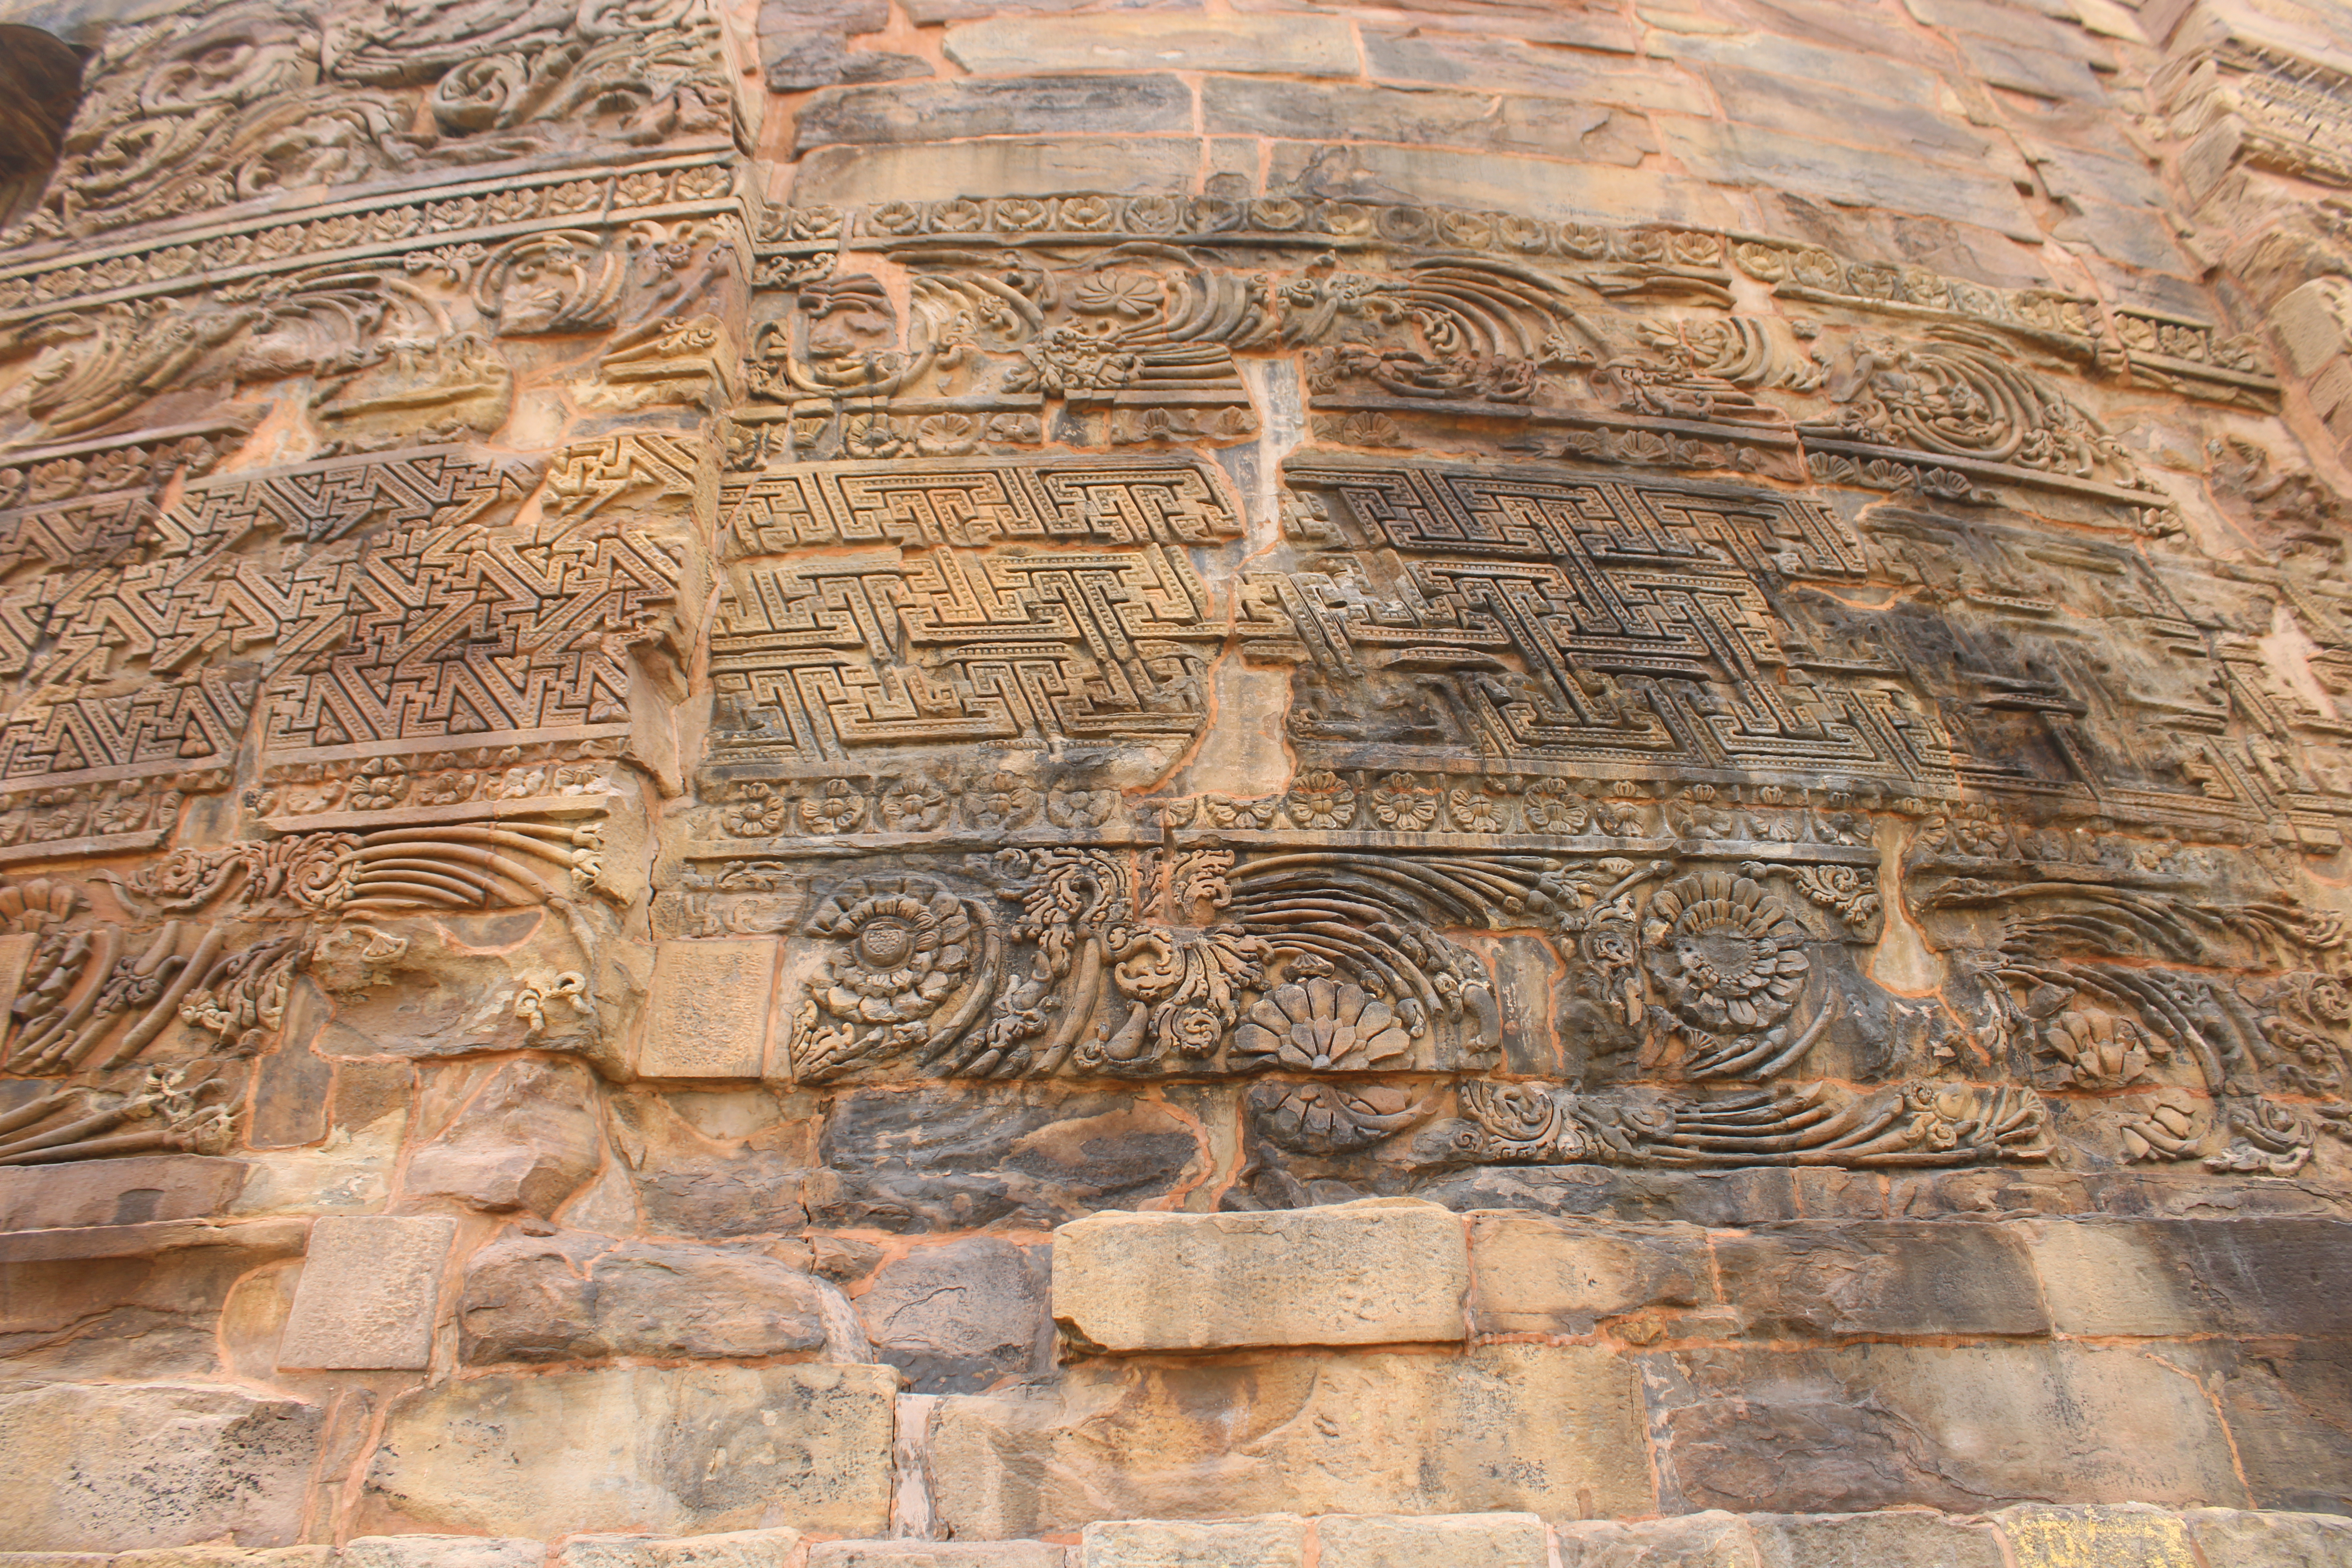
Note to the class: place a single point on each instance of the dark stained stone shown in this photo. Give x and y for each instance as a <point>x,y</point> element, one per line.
<point>1045,105</point>
<point>952,1157</point>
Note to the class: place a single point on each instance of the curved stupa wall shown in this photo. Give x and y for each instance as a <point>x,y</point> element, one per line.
<point>1473,782</point>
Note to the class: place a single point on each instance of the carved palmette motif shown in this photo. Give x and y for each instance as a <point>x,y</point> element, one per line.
<point>1454,688</point>
<point>227,103</point>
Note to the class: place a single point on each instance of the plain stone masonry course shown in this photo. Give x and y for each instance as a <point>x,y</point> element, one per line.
<point>2037,1535</point>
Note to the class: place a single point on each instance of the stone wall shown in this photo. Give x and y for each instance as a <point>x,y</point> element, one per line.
<point>1016,781</point>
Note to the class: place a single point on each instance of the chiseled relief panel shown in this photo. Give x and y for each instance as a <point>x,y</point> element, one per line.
<point>1766,741</point>
<point>1424,691</point>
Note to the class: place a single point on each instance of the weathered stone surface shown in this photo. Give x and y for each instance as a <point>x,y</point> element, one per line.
<point>1044,105</point>
<point>779,1548</point>
<point>1832,171</point>
<point>1879,1277</point>
<point>1872,1426</point>
<point>1010,166</point>
<point>2289,1408</point>
<point>1279,1542</point>
<point>1380,1271</point>
<point>1287,46</point>
<point>2105,1278</point>
<point>936,1159</point>
<point>2229,1538</point>
<point>542,1455</point>
<point>683,1300</point>
<point>1537,1275</point>
<point>1500,65</point>
<point>439,1552</point>
<point>1711,1539</point>
<point>526,1297</point>
<point>707,1015</point>
<point>1433,1540</point>
<point>956,1318</point>
<point>118,1192</point>
<point>2042,1536</point>
<point>1831,1541</point>
<point>213,1555</point>
<point>937,1554</point>
<point>368,1291</point>
<point>1504,1427</point>
<point>1541,187</point>
<point>141,1310</point>
<point>1370,1273</point>
<point>134,1466</point>
<point>1316,110</point>
<point>533,1299</point>
<point>526,1140</point>
<point>293,1092</point>
<point>767,650</point>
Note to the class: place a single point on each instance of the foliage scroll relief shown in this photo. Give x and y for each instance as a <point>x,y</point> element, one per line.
<point>1446,690</point>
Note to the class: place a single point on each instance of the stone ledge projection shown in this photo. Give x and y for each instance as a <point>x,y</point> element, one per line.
<point>1106,783</point>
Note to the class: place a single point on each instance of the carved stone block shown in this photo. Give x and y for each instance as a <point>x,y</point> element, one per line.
<point>707,1016</point>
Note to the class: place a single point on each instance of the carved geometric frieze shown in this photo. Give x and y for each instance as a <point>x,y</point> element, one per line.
<point>1113,321</point>
<point>923,605</point>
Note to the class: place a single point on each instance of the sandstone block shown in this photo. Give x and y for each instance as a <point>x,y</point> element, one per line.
<point>1799,107</point>
<point>2109,1279</point>
<point>956,1318</point>
<point>1504,1427</point>
<point>1537,1274</point>
<point>2283,1401</point>
<point>683,1300</point>
<point>1433,1540</point>
<point>526,1297</point>
<point>939,1159</point>
<point>439,1552</point>
<point>1279,1542</point>
<point>1281,45</point>
<point>1877,1426</point>
<point>1736,155</point>
<point>2313,322</point>
<point>807,1446</point>
<point>1879,1276</point>
<point>133,1190</point>
<point>2022,68</point>
<point>369,1285</point>
<point>937,1554</point>
<point>2043,1536</point>
<point>1548,188</point>
<point>1012,167</point>
<point>149,1465</point>
<point>778,1547</point>
<point>2268,1276</point>
<point>1710,1540</point>
<point>1264,107</point>
<point>2229,1538</point>
<point>1907,1539</point>
<point>1382,1270</point>
<point>527,1140</point>
<point>213,1555</point>
<point>1033,106</point>
<point>707,1014</point>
